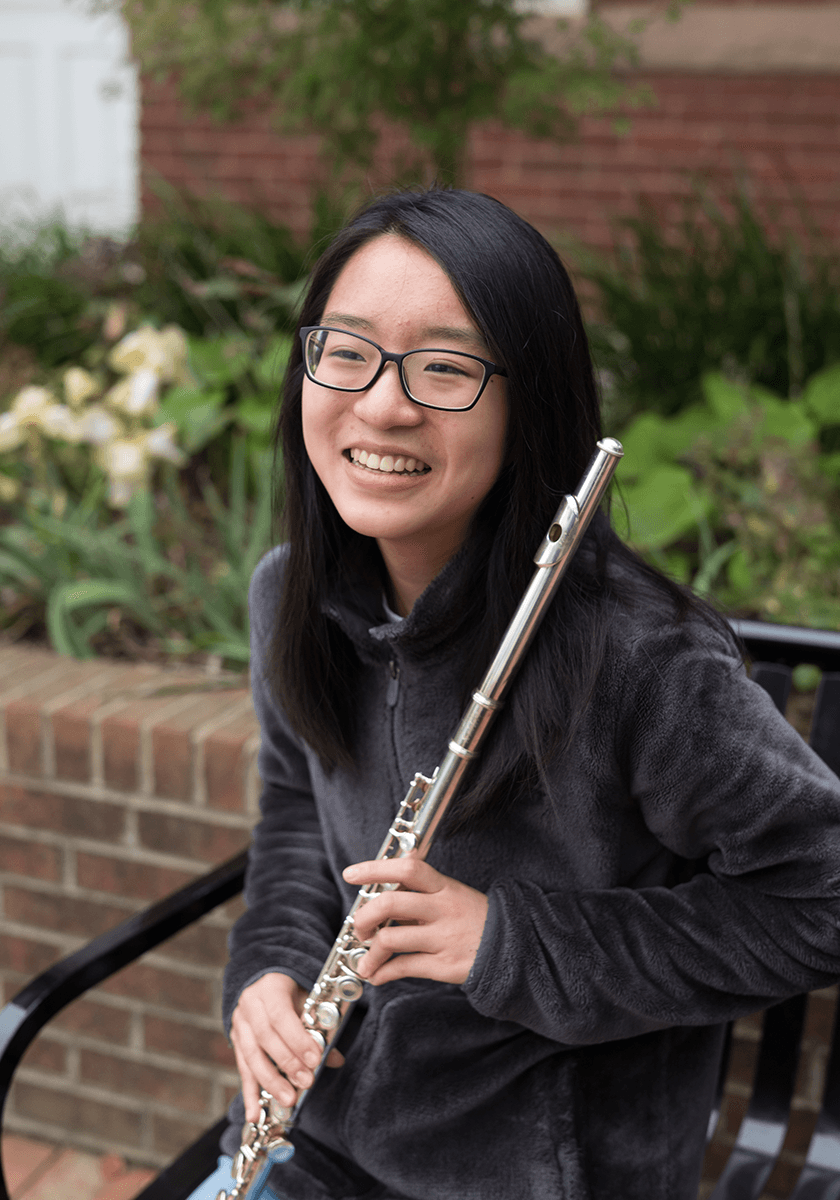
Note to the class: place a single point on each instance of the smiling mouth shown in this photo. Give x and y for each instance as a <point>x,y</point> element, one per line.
<point>387,464</point>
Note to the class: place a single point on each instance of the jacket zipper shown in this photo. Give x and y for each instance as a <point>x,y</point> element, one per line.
<point>392,694</point>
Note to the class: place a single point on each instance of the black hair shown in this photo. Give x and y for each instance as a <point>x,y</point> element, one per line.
<point>519,295</point>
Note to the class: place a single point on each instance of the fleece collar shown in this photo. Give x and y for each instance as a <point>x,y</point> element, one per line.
<point>356,607</point>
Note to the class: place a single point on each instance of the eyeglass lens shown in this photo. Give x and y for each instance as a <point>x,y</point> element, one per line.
<point>443,378</point>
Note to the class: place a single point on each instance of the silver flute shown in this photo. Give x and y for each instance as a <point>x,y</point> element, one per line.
<point>339,986</point>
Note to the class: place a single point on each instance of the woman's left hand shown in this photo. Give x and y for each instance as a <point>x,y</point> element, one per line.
<point>440,922</point>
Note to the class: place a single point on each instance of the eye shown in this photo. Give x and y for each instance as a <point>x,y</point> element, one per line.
<point>441,367</point>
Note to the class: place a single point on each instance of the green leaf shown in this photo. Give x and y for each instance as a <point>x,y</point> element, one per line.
<point>200,416</point>
<point>821,396</point>
<point>785,419</point>
<point>663,506</point>
<point>726,400</point>
<point>269,369</point>
<point>67,598</point>
<point>220,361</point>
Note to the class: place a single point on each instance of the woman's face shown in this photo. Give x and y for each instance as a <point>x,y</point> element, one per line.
<point>395,294</point>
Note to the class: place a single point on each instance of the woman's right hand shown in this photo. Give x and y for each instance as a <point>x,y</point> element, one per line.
<point>268,1038</point>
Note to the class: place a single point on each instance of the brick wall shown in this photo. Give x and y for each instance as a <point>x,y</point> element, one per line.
<point>743,91</point>
<point>119,783</point>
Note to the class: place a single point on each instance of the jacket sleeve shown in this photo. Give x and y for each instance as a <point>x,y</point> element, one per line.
<point>293,906</point>
<point>721,777</point>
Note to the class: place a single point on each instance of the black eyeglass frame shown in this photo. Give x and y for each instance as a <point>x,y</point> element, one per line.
<point>490,368</point>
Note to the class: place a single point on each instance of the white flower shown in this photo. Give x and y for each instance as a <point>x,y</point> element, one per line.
<point>98,426</point>
<point>119,493</point>
<point>9,489</point>
<point>11,431</point>
<point>136,395</point>
<point>58,421</point>
<point>164,352</point>
<point>125,459</point>
<point>176,350</point>
<point>29,404</point>
<point>79,386</point>
<point>160,443</point>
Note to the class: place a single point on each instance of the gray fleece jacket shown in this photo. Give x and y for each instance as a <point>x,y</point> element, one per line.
<point>578,1061</point>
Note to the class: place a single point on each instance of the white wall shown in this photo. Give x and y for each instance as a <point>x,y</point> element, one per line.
<point>68,116</point>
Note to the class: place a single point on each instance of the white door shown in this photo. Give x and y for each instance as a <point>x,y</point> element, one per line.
<point>68,116</point>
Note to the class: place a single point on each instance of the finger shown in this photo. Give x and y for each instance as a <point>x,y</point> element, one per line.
<point>285,1023</point>
<point>250,1091</point>
<point>257,1071</point>
<point>334,1059</point>
<point>410,872</point>
<point>279,1030</point>
<point>412,966</point>
<point>264,1048</point>
<point>397,939</point>
<point>392,906</point>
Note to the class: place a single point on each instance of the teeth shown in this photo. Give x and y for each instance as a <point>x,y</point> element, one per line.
<point>386,462</point>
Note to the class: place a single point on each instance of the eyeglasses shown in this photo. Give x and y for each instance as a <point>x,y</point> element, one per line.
<point>445,379</point>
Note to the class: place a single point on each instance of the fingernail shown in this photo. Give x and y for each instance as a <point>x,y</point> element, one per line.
<point>312,1058</point>
<point>349,874</point>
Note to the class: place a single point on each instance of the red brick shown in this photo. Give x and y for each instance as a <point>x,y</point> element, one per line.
<point>96,1020</point>
<point>107,1122</point>
<point>127,877</point>
<point>71,731</point>
<point>61,914</point>
<point>73,815</point>
<point>26,956</point>
<point>170,1136</point>
<point>22,1158</point>
<point>189,1093</point>
<point>31,859</point>
<point>156,985</point>
<point>46,1055</point>
<point>171,745</point>
<point>23,737</point>
<point>121,753</point>
<point>202,944</point>
<point>225,763</point>
<point>188,1041</point>
<point>190,838</point>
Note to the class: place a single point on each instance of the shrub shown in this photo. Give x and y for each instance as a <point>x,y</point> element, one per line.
<point>719,293</point>
<point>740,495</point>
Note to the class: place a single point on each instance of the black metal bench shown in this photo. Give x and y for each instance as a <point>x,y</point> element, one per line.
<point>774,651</point>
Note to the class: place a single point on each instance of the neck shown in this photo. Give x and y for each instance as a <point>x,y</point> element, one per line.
<point>409,574</point>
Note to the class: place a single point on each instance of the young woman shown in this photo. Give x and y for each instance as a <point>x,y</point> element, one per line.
<point>644,850</point>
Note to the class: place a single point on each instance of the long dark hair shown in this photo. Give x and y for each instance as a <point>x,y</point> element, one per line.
<point>520,297</point>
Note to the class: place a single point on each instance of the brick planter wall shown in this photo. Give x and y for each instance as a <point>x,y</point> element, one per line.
<point>119,783</point>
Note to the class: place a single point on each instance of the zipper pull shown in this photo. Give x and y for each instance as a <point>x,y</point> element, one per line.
<point>393,684</point>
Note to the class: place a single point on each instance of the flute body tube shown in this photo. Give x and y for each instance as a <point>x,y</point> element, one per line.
<point>338,986</point>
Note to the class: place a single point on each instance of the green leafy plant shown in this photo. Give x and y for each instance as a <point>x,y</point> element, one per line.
<point>166,578</point>
<point>740,495</point>
<point>716,293</point>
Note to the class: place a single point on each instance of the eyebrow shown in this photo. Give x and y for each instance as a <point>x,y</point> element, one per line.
<point>451,333</point>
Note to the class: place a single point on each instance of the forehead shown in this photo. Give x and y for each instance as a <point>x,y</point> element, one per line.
<point>392,286</point>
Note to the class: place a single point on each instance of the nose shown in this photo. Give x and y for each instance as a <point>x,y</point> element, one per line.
<point>385,405</point>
